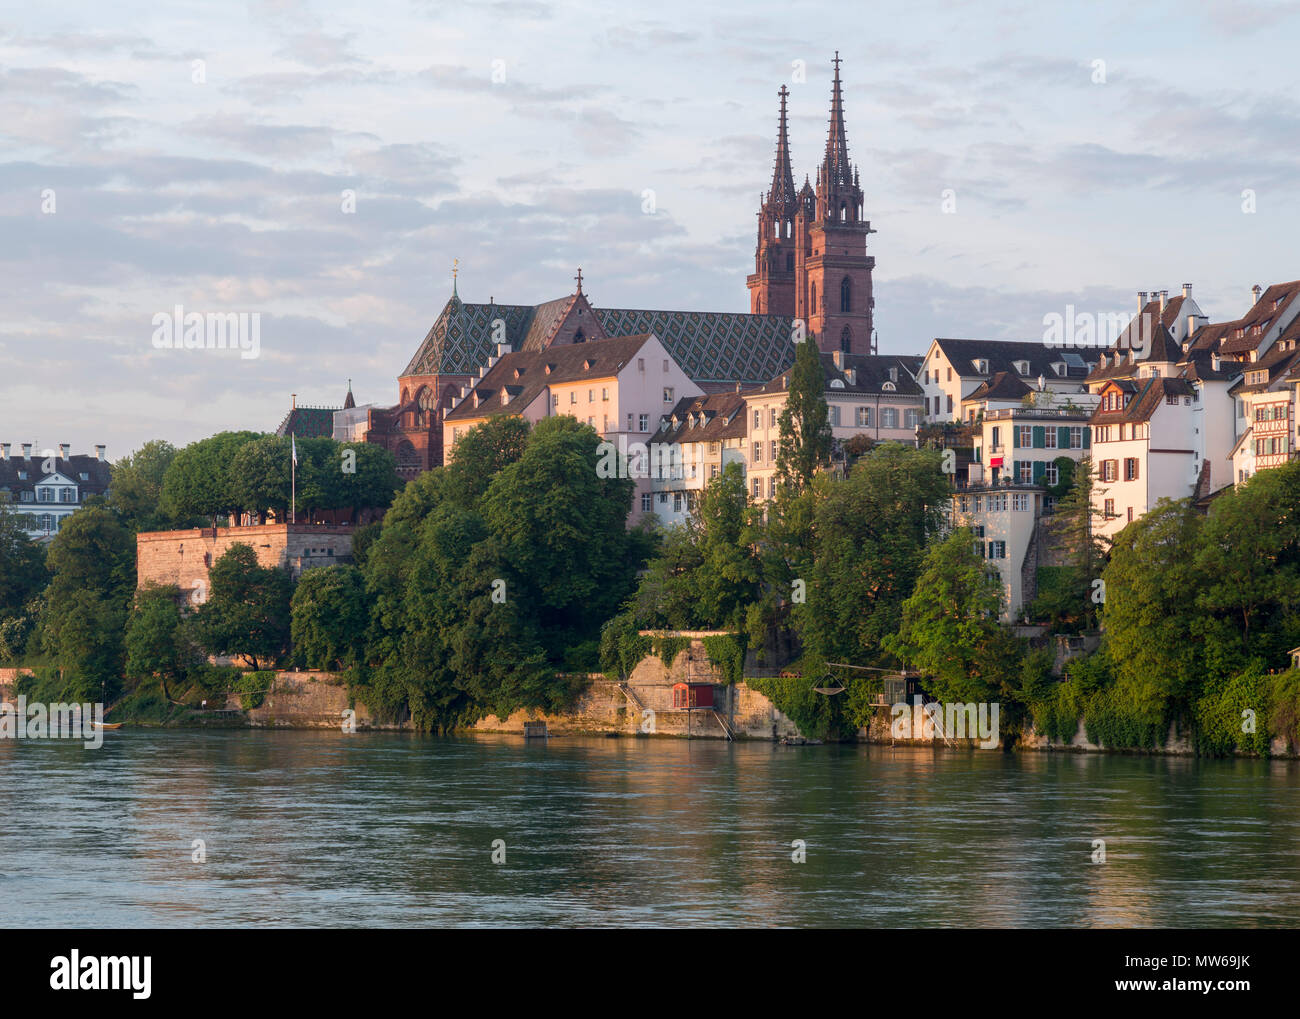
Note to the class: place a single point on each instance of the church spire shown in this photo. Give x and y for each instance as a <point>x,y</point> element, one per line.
<point>782,194</point>
<point>837,169</point>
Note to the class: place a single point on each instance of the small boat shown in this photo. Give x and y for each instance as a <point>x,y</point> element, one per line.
<point>108,725</point>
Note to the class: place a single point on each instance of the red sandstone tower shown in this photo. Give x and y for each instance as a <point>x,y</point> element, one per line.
<point>772,284</point>
<point>812,261</point>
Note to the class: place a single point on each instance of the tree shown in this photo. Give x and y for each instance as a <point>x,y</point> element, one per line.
<point>158,643</point>
<point>22,578</point>
<point>92,551</point>
<point>330,614</point>
<point>259,478</point>
<point>137,484</point>
<point>950,630</point>
<point>198,480</point>
<point>1152,635</point>
<point>559,535</point>
<point>872,534</point>
<point>1067,598</point>
<point>83,636</point>
<point>92,562</point>
<point>247,613</point>
<point>805,431</point>
<point>1248,560</point>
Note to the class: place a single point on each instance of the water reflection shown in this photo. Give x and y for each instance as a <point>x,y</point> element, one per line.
<point>378,829</point>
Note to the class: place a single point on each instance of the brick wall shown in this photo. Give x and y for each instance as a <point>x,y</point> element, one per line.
<point>183,558</point>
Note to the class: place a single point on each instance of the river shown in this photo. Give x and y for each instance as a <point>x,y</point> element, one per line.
<point>373,829</point>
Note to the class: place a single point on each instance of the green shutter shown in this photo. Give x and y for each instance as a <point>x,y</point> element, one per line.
<point>1063,437</point>
<point>1040,468</point>
<point>1039,441</point>
<point>1087,437</point>
<point>1015,436</point>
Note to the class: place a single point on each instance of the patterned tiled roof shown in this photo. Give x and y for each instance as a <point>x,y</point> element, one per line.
<point>710,346</point>
<point>308,423</point>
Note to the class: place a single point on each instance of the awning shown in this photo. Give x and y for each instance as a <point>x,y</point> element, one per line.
<point>995,461</point>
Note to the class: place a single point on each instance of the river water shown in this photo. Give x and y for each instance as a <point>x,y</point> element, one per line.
<point>324,829</point>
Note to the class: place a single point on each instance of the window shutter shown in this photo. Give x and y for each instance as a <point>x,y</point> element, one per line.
<point>1040,469</point>
<point>1039,441</point>
<point>1087,437</point>
<point>1062,437</point>
<point>1015,436</point>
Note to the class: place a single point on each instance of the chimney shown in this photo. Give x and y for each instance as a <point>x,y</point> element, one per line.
<point>1187,291</point>
<point>737,387</point>
<point>1142,300</point>
<point>64,449</point>
<point>27,450</point>
<point>295,402</point>
<point>4,451</point>
<point>99,452</point>
<point>1255,291</point>
<point>503,349</point>
<point>1164,299</point>
<point>837,357</point>
<point>1214,361</point>
<point>852,376</point>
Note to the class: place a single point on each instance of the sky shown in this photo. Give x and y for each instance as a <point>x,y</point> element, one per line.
<point>203,155</point>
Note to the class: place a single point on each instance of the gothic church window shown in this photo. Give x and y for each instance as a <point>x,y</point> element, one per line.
<point>846,294</point>
<point>846,340</point>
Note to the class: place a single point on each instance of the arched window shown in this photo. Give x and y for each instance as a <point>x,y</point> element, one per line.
<point>844,213</point>
<point>846,340</point>
<point>422,402</point>
<point>407,458</point>
<point>846,294</point>
<point>812,304</point>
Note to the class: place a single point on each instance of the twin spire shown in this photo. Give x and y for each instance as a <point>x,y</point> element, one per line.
<point>835,171</point>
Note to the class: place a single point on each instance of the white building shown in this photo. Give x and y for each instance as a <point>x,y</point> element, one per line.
<point>45,488</point>
<point>872,395</point>
<point>952,371</point>
<point>1005,495</point>
<point>621,387</point>
<point>695,441</point>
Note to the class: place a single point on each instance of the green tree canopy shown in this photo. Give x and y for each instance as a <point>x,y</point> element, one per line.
<point>330,616</point>
<point>247,612</point>
<point>804,423</point>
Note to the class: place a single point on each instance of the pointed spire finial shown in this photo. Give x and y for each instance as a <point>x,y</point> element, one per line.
<point>836,162</point>
<point>455,268</point>
<point>579,279</point>
<point>781,195</point>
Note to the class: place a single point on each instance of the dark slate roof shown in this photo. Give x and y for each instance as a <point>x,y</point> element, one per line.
<point>1002,355</point>
<point>1003,386</point>
<point>710,418</point>
<point>523,375</point>
<point>1151,394</point>
<point>709,346</point>
<point>12,486</point>
<point>308,422</point>
<point>1198,366</point>
<point>871,372</point>
<point>1146,335</point>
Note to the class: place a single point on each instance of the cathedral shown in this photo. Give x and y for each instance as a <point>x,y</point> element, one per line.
<point>810,265</point>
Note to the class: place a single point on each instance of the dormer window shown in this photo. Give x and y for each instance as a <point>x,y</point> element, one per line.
<point>587,364</point>
<point>981,366</point>
<point>1022,367</point>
